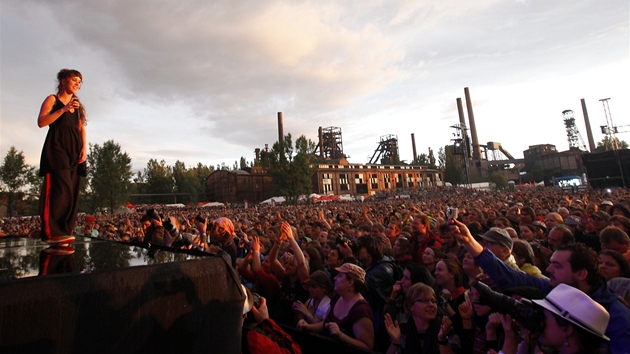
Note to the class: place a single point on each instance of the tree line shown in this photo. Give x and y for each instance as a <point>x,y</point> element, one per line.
<point>110,181</point>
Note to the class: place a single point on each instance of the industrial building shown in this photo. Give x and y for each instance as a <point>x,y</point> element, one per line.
<point>252,185</point>
<point>334,174</point>
<point>540,162</point>
<point>368,179</point>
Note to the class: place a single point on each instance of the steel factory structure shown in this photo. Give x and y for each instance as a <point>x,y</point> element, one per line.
<point>384,173</point>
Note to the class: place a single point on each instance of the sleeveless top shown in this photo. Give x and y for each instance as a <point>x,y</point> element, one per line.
<point>63,142</point>
<point>360,309</point>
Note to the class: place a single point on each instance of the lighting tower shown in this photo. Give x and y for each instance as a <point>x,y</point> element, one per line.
<point>573,135</point>
<point>610,130</point>
<point>612,137</point>
<point>460,147</point>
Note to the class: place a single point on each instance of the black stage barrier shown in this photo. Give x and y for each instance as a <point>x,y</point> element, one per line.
<point>318,344</point>
<point>116,298</point>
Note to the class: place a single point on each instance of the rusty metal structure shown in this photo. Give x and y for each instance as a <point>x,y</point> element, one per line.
<point>330,146</point>
<point>573,134</point>
<point>387,151</point>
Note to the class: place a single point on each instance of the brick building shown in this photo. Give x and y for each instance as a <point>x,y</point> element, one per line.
<point>366,180</point>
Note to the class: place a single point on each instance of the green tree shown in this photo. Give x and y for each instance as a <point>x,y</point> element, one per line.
<point>421,160</point>
<point>186,181</point>
<point>441,158</point>
<point>159,180</point>
<point>243,163</point>
<point>15,175</point>
<point>201,173</point>
<point>291,167</point>
<point>431,158</point>
<point>606,144</point>
<point>109,176</point>
<point>499,178</point>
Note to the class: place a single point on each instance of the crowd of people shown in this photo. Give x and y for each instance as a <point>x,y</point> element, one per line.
<point>423,274</point>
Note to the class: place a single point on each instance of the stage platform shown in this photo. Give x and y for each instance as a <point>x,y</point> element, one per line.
<point>102,297</point>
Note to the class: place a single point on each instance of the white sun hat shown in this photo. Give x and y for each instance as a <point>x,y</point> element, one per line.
<point>578,308</point>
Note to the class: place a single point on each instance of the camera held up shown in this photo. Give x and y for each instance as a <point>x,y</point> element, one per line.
<point>530,315</point>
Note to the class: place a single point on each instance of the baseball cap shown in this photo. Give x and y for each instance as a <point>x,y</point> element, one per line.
<point>498,235</point>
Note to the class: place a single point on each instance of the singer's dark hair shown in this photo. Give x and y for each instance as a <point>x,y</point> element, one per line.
<point>62,76</point>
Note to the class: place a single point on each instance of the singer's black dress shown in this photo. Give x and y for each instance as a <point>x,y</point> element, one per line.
<point>59,165</point>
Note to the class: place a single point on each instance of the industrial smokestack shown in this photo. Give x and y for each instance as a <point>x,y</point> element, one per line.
<point>460,110</point>
<point>320,131</point>
<point>413,145</point>
<point>589,132</point>
<point>280,129</point>
<point>473,127</point>
<point>257,152</point>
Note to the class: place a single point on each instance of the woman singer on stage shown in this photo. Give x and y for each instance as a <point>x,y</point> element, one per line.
<point>63,158</point>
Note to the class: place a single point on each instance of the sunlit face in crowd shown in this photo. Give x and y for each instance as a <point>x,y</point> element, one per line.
<point>442,276</point>
<point>480,310</point>
<point>501,252</point>
<point>342,282</point>
<point>609,267</point>
<point>428,257</point>
<point>615,246</point>
<point>617,224</point>
<point>474,216</point>
<point>553,334</point>
<point>397,249</point>
<point>323,237</point>
<point>425,307</point>
<point>363,255</point>
<point>316,292</point>
<point>406,282</point>
<point>527,234</point>
<point>526,219</point>
<point>266,265</point>
<point>290,268</point>
<point>551,222</point>
<point>333,259</point>
<point>492,214</point>
<point>560,271</point>
<point>448,238</point>
<point>499,223</point>
<point>555,238</point>
<point>598,223</point>
<point>326,249</point>
<point>392,230</point>
<point>468,263</point>
<point>418,226</point>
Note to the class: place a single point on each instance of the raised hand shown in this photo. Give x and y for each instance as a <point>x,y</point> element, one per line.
<point>393,329</point>
<point>445,328</point>
<point>465,309</point>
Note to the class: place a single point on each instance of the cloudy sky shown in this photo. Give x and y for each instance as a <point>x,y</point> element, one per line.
<point>203,81</point>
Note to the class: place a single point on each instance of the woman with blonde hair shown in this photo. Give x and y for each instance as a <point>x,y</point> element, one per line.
<point>426,328</point>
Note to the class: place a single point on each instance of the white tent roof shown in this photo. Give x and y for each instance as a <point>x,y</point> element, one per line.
<point>212,204</point>
<point>277,200</point>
